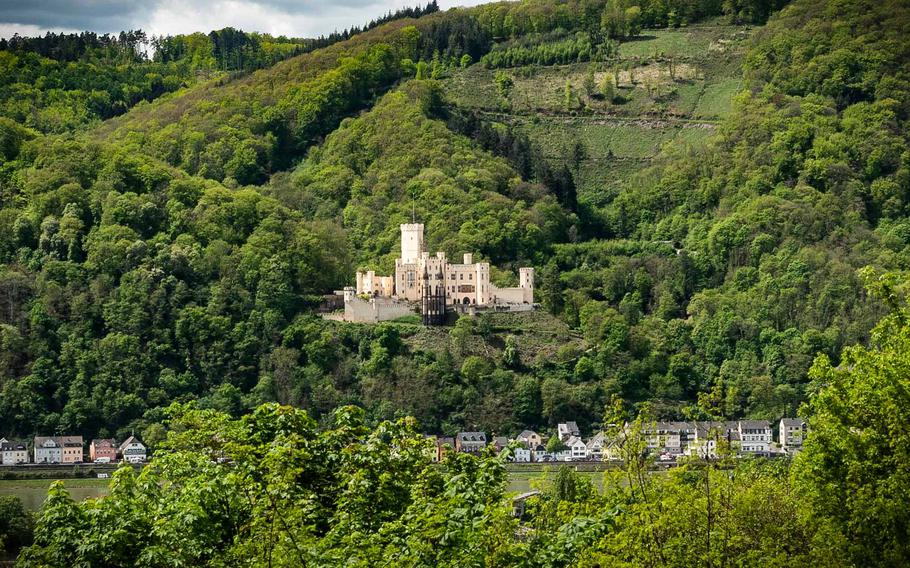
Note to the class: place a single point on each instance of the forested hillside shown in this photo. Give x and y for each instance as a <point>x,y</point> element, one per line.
<point>695,250</point>
<point>355,496</point>
<point>66,82</point>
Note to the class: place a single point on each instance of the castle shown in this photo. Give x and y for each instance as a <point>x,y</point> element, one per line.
<point>433,283</point>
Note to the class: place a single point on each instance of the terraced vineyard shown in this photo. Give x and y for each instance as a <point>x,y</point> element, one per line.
<point>669,86</point>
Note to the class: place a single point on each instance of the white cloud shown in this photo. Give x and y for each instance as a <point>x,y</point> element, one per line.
<point>296,18</point>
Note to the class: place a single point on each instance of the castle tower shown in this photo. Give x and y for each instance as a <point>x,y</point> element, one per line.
<point>526,283</point>
<point>411,242</point>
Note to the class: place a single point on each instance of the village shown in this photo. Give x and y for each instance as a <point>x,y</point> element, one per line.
<point>70,450</point>
<point>667,441</point>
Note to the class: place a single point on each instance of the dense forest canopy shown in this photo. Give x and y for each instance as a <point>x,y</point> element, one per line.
<point>177,252</point>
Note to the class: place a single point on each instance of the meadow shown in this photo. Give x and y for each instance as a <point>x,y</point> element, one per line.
<point>32,492</point>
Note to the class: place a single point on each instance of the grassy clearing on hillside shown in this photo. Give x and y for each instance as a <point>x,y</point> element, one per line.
<point>33,492</point>
<point>697,42</point>
<point>618,138</point>
<point>540,337</point>
<point>717,99</point>
<point>612,150</point>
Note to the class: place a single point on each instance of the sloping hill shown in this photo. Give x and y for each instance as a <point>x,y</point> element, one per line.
<point>245,128</point>
<point>396,162</point>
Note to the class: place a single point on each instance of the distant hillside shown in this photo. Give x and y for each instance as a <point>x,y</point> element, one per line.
<point>696,229</point>
<point>395,162</point>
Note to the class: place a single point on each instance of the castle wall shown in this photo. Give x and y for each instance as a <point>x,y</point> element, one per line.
<point>508,295</point>
<point>374,310</point>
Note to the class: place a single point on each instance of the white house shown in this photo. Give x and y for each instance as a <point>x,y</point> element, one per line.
<point>791,434</point>
<point>706,435</point>
<point>595,447</point>
<point>539,453</point>
<point>566,430</point>
<point>578,451</point>
<point>132,450</point>
<point>47,450</point>
<point>521,454</point>
<point>13,452</point>
<point>755,436</point>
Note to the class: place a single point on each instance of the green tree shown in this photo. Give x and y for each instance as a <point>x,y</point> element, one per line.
<point>607,87</point>
<point>503,83</point>
<point>589,83</point>
<point>851,470</point>
<point>16,525</point>
<point>555,445</point>
<point>568,96</point>
<point>510,355</point>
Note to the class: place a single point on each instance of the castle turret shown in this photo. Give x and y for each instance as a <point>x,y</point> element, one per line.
<point>526,283</point>
<point>411,242</point>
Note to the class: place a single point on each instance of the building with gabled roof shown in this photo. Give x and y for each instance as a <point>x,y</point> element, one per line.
<point>754,436</point>
<point>133,451</point>
<point>578,450</point>
<point>530,437</point>
<point>566,430</point>
<point>470,442</point>
<point>102,450</point>
<point>13,452</point>
<point>595,447</point>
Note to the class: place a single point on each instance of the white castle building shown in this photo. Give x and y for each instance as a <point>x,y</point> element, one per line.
<point>420,277</point>
<point>466,283</point>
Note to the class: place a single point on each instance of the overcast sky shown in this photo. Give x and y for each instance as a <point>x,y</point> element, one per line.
<point>294,18</point>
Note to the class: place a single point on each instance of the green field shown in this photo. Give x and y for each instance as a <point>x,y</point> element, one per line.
<point>32,492</point>
<point>520,482</point>
<point>717,98</point>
